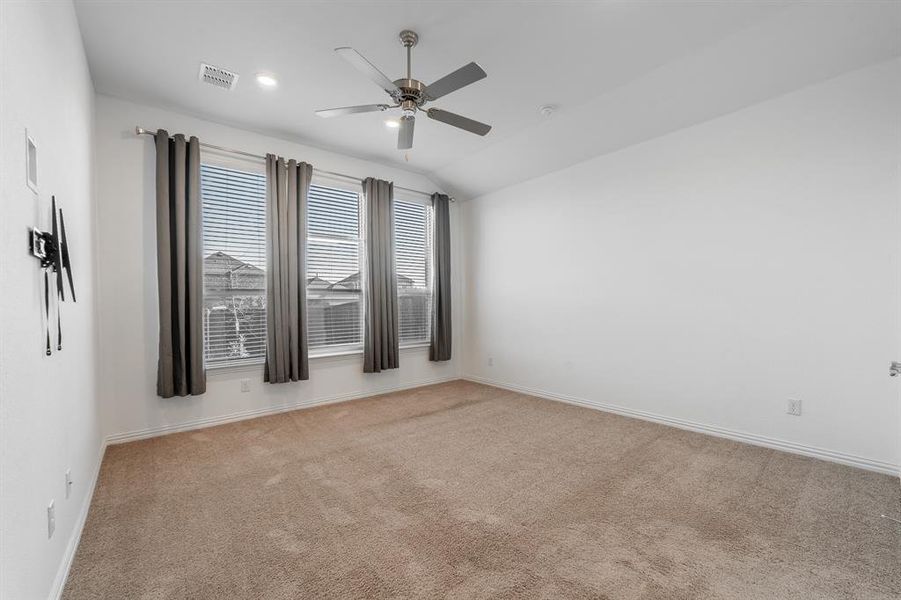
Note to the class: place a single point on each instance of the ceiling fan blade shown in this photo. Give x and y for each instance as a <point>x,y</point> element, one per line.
<point>359,62</point>
<point>454,81</point>
<point>349,110</point>
<point>458,121</point>
<point>405,133</point>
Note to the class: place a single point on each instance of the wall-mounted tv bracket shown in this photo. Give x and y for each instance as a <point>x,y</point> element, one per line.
<point>52,249</point>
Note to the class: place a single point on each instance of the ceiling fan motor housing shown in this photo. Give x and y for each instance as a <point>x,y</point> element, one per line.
<point>412,94</point>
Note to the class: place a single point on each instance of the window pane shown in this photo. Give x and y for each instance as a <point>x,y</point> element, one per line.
<point>413,240</point>
<point>234,265</point>
<point>334,287</point>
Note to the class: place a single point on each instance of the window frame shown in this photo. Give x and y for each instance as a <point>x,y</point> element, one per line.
<point>223,160</point>
<point>426,201</point>
<point>344,185</point>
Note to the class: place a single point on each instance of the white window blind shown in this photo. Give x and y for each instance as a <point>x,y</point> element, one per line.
<point>334,284</point>
<point>413,257</point>
<point>234,265</point>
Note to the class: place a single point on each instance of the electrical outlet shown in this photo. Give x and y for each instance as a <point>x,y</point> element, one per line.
<point>51,519</point>
<point>68,483</point>
<point>794,407</point>
<point>490,361</point>
<point>245,385</point>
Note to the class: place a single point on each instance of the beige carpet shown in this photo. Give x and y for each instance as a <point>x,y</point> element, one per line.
<point>466,491</point>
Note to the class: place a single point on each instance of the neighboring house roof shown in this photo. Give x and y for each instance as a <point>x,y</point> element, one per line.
<point>352,282</point>
<point>239,273</point>
<point>246,269</point>
<point>225,272</point>
<point>318,283</point>
<point>220,263</point>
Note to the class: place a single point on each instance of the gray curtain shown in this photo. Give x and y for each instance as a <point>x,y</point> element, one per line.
<point>179,262</point>
<point>440,343</point>
<point>287,187</point>
<point>381,345</point>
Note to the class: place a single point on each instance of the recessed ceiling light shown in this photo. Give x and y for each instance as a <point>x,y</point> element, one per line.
<point>392,123</point>
<point>266,80</point>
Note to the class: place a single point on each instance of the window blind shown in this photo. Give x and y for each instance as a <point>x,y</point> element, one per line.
<point>334,283</point>
<point>413,257</point>
<point>234,265</point>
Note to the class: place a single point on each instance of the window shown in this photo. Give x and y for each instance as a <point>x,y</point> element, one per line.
<point>234,265</point>
<point>334,285</point>
<point>413,257</point>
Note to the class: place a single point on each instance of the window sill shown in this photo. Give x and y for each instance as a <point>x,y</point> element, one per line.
<point>257,365</point>
<point>250,365</point>
<point>414,346</point>
<point>336,353</point>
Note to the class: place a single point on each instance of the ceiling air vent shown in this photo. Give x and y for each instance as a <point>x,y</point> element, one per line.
<point>217,76</point>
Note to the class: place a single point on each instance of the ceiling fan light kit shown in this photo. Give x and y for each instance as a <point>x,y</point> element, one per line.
<point>410,95</point>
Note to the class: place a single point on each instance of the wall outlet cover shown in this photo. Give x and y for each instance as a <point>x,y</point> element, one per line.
<point>245,385</point>
<point>794,407</point>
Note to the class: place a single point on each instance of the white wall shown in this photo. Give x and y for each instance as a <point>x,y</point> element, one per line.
<point>128,289</point>
<point>710,274</point>
<point>49,409</point>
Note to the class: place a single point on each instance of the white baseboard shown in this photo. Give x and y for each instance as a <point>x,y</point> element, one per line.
<point>140,434</point>
<point>59,582</point>
<point>739,436</point>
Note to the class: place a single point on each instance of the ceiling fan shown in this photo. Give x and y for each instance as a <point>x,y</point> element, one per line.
<point>410,95</point>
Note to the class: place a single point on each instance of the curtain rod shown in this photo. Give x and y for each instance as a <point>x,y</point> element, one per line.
<point>141,131</point>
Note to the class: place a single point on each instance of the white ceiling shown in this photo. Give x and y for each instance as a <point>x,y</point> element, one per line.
<point>620,72</point>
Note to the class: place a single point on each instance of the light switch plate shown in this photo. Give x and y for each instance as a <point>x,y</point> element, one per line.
<point>31,162</point>
<point>51,519</point>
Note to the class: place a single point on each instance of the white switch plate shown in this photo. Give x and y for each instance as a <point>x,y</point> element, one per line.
<point>31,163</point>
<point>68,483</point>
<point>794,407</point>
<point>490,361</point>
<point>245,385</point>
<point>51,520</point>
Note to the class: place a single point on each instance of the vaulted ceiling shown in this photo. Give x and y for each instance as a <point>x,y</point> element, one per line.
<point>618,72</point>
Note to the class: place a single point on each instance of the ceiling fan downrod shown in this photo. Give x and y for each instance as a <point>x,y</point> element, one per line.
<point>409,39</point>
